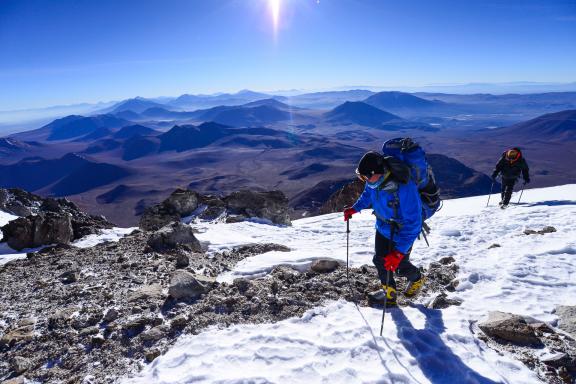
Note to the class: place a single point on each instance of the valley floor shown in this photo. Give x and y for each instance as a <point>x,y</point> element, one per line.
<point>501,268</point>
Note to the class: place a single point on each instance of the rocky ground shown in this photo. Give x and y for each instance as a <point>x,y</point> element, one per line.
<point>67,314</point>
<point>548,351</point>
<point>242,205</point>
<point>96,314</point>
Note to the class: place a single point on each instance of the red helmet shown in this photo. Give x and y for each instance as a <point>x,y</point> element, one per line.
<point>513,155</point>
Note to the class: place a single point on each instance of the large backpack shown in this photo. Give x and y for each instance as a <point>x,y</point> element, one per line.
<point>408,151</point>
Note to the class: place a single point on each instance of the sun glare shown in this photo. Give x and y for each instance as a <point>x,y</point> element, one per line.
<point>275,10</point>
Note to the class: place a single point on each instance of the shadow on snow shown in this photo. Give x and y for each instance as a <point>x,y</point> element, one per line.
<point>549,203</point>
<point>436,360</point>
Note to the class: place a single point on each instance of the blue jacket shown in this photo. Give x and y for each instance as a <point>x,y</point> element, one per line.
<point>409,212</point>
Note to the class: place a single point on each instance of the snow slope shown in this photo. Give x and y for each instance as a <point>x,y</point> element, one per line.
<point>338,343</point>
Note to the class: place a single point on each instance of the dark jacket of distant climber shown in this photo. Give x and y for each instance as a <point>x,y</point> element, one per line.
<point>511,165</point>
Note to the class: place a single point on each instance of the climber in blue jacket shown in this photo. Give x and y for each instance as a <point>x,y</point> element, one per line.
<point>396,203</point>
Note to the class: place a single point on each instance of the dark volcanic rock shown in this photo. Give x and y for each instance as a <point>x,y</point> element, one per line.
<point>172,236</point>
<point>20,365</point>
<point>271,205</point>
<point>567,316</point>
<point>214,207</point>
<point>509,327</point>
<point>239,206</point>
<point>155,218</point>
<point>547,229</point>
<point>19,202</point>
<point>442,301</point>
<point>184,285</point>
<point>511,334</point>
<point>42,229</point>
<point>52,212</point>
<point>324,265</point>
<point>181,203</point>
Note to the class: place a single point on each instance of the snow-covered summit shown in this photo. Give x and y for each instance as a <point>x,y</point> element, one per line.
<point>501,268</point>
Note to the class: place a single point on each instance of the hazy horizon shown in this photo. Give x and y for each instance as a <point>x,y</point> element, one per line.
<point>69,52</point>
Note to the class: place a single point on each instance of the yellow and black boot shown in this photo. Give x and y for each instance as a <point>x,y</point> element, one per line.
<point>414,287</point>
<point>377,297</point>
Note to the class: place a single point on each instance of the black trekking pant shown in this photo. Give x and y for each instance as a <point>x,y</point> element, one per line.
<point>405,269</point>
<point>507,189</point>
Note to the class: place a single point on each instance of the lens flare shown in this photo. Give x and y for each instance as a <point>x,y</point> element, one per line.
<point>275,10</point>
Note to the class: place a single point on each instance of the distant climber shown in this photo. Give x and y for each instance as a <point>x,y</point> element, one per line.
<point>510,165</point>
<point>396,204</point>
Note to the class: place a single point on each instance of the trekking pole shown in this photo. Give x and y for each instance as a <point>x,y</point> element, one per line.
<point>490,194</point>
<point>347,246</point>
<point>521,192</point>
<point>390,249</point>
<point>385,302</point>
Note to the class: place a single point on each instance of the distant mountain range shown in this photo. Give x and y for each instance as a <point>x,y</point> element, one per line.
<point>253,114</point>
<point>130,131</point>
<point>328,100</point>
<point>69,175</point>
<point>400,100</point>
<point>138,105</point>
<point>272,143</point>
<point>248,115</point>
<point>360,113</point>
<point>74,126</point>
<point>17,120</point>
<point>203,101</point>
<point>363,114</point>
<point>559,126</point>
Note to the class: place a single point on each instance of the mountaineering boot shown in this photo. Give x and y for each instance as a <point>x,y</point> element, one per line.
<point>377,297</point>
<point>414,287</point>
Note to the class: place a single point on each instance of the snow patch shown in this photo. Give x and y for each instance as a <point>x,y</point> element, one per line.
<point>105,235</point>
<point>526,275</point>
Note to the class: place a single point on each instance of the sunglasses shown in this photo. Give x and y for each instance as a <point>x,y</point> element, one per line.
<point>365,178</point>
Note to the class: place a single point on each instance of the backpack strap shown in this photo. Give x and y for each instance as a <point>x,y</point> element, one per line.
<point>393,222</point>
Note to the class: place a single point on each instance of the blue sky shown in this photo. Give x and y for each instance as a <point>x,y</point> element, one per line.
<point>70,51</point>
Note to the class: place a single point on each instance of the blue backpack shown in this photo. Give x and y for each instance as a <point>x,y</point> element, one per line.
<point>406,150</point>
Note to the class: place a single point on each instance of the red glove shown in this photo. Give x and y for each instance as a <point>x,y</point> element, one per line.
<point>348,212</point>
<point>392,260</point>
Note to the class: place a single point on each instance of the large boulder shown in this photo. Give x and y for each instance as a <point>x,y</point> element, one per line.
<point>181,203</point>
<point>324,265</point>
<point>172,236</point>
<point>185,285</point>
<point>239,206</point>
<point>567,318</point>
<point>42,229</point>
<point>155,218</point>
<point>509,327</point>
<point>19,202</point>
<point>272,205</point>
<point>213,207</point>
<point>24,204</point>
<point>83,224</point>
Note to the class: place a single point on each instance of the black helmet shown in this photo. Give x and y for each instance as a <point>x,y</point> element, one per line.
<point>372,163</point>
